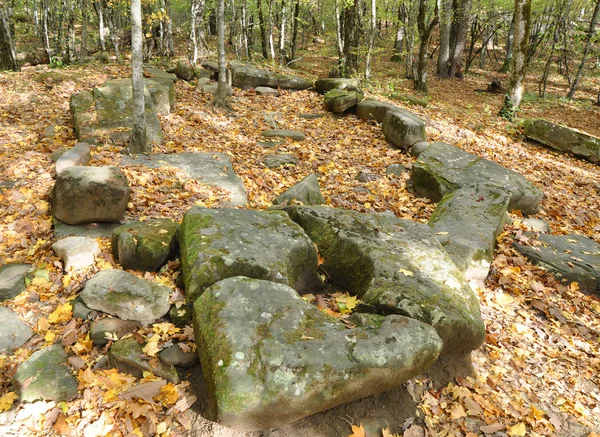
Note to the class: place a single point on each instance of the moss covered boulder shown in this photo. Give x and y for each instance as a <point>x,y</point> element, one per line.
<point>325,84</point>
<point>146,246</point>
<point>307,191</point>
<point>269,358</point>
<point>564,139</point>
<point>45,376</point>
<point>338,100</point>
<point>442,168</point>
<point>371,109</point>
<point>127,356</point>
<point>403,128</point>
<point>126,296</point>
<point>467,222</point>
<point>247,76</point>
<point>396,267</point>
<point>220,243</point>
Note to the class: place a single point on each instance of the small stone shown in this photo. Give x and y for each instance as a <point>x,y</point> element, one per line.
<point>339,101</point>
<point>306,191</point>
<point>13,332</point>
<point>58,153</point>
<point>365,177</point>
<point>12,279</point>
<point>211,89</point>
<point>45,376</point>
<point>76,253</point>
<point>395,169</point>
<point>266,91</point>
<point>180,316</point>
<point>174,356</point>
<point>536,225</point>
<point>274,161</point>
<point>78,155</point>
<point>127,356</point>
<point>203,81</point>
<point>284,133</point>
<point>311,116</point>
<point>184,70</point>
<point>80,310</point>
<point>113,327</point>
<point>269,144</point>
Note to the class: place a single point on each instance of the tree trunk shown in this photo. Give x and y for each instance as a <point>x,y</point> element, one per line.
<point>586,51</point>
<point>45,31</point>
<point>296,24</point>
<point>445,27</point>
<point>264,42</point>
<point>425,31</point>
<point>351,37</point>
<point>509,47</point>
<point>220,99</point>
<point>8,55</point>
<point>139,140</point>
<point>410,39</point>
<point>245,35</point>
<point>462,25</point>
<point>372,31</point>
<point>339,38</point>
<point>517,68</point>
<point>401,30</point>
<point>84,30</point>
<point>270,31</point>
<point>100,11</point>
<point>169,49</point>
<point>114,38</point>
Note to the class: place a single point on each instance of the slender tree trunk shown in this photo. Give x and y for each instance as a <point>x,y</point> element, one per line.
<point>71,31</point>
<point>509,47</point>
<point>245,36</point>
<point>586,51</point>
<point>339,38</point>
<point>264,42</point>
<point>192,41</point>
<point>84,30</point>
<point>352,37</point>
<point>296,24</point>
<point>425,31</point>
<point>445,27</point>
<point>282,31</point>
<point>410,39</point>
<point>139,140</point>
<point>100,12</point>
<point>114,38</point>
<point>462,26</point>
<point>45,31</point>
<point>220,100</point>
<point>168,23</point>
<point>372,32</point>
<point>401,30</point>
<point>270,31</point>
<point>517,68</point>
<point>8,55</point>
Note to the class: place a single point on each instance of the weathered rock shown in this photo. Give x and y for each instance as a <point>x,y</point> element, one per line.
<point>146,246</point>
<point>90,230</point>
<point>418,148</point>
<point>284,133</point>
<point>112,327</point>
<point>212,67</point>
<point>12,279</point>
<point>467,222</point>
<point>210,168</point>
<point>364,177</point>
<point>220,243</point>
<point>76,252</point>
<point>247,76</point>
<point>274,161</point>
<point>127,356</point>
<point>13,332</point>
<point>45,376</point>
<point>270,358</point>
<point>395,169</point>
<point>78,155</point>
<point>338,101</point>
<point>306,191</point>
<point>90,194</point>
<point>80,311</point>
<point>536,225</point>
<point>180,316</point>
<point>175,356</point>
<point>564,139</point>
<point>402,128</point>
<point>411,100</point>
<point>82,107</point>
<point>443,168</point>
<point>571,258</point>
<point>126,296</point>
<point>58,153</point>
<point>329,83</point>
<point>395,266</point>
<point>184,70</point>
<point>371,109</point>
<point>211,89</point>
<point>266,91</point>
<point>311,116</point>
<point>202,74</point>
<point>201,83</point>
<point>158,74</point>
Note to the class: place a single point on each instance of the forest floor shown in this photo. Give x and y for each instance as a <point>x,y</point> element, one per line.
<point>538,372</point>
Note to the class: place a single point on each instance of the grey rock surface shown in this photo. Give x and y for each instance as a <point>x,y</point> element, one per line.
<point>266,91</point>
<point>146,246</point>
<point>403,129</point>
<point>284,133</point>
<point>536,225</point>
<point>279,160</point>
<point>76,252</point>
<point>443,168</point>
<point>467,222</point>
<point>12,279</point>
<point>221,243</point>
<point>90,230</point>
<point>127,356</point>
<point>395,266</point>
<point>210,168</point>
<point>13,332</point>
<point>323,85</point>
<point>211,89</point>
<point>248,76</point>
<point>175,356</point>
<point>306,191</point>
<point>571,258</point>
<point>90,194</point>
<point>564,139</point>
<point>270,358</point>
<point>78,155</point>
<point>339,101</point>
<point>371,109</point>
<point>126,296</point>
<point>45,376</point>
<point>184,70</point>
<point>395,169</point>
<point>111,327</point>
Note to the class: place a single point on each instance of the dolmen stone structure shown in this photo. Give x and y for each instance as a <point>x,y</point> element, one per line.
<point>341,94</point>
<point>248,76</point>
<point>564,139</point>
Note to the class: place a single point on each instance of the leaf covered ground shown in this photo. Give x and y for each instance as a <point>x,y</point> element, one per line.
<point>538,372</point>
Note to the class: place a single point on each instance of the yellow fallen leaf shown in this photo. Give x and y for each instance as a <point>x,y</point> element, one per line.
<point>518,430</point>
<point>161,428</point>
<point>7,400</point>
<point>50,336</point>
<point>151,348</point>
<point>168,394</point>
<point>62,313</point>
<point>357,431</point>
<point>406,272</point>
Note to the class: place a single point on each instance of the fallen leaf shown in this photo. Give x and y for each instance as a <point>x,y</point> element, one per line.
<point>144,391</point>
<point>357,431</point>
<point>518,430</point>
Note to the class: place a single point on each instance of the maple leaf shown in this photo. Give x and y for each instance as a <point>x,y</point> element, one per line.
<point>346,303</point>
<point>144,391</point>
<point>518,430</point>
<point>7,400</point>
<point>151,348</point>
<point>357,431</point>
<point>168,394</point>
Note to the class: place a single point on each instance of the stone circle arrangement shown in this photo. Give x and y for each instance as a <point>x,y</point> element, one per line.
<point>268,357</point>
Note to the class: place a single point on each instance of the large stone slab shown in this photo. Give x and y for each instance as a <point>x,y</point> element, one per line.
<point>571,258</point>
<point>402,128</point>
<point>248,76</point>
<point>146,246</point>
<point>210,168</point>
<point>45,376</point>
<point>13,332</point>
<point>371,109</point>
<point>220,243</point>
<point>90,194</point>
<point>77,155</point>
<point>126,296</point>
<point>270,358</point>
<point>443,168</point>
<point>12,279</point>
<point>467,222</point>
<point>339,101</point>
<point>396,267</point>
<point>325,84</point>
<point>564,139</point>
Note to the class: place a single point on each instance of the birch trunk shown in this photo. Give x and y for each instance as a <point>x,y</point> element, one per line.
<point>445,28</point>
<point>586,51</point>
<point>139,140</point>
<point>372,32</point>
